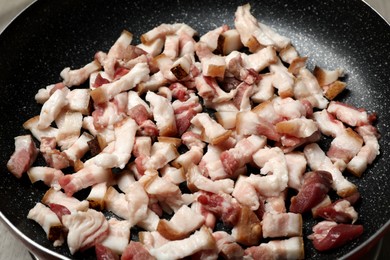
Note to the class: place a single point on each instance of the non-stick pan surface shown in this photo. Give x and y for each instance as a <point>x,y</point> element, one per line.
<point>51,35</point>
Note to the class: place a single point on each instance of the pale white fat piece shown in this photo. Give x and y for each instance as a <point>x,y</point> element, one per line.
<point>327,124</point>
<point>97,193</point>
<point>163,113</point>
<point>137,203</point>
<point>318,160</point>
<point>69,127</point>
<point>307,87</point>
<point>85,228</point>
<point>125,179</point>
<point>245,193</point>
<point>52,107</point>
<point>124,141</point>
<point>116,52</point>
<point>139,73</point>
<point>179,221</point>
<point>79,76</point>
<point>277,180</point>
<point>79,148</point>
<point>47,219</point>
<point>195,177</point>
<point>118,235</point>
<point>171,46</point>
<point>78,100</point>
<point>282,225</point>
<point>71,203</point>
<point>200,240</point>
<point>150,222</point>
<point>211,129</point>
<point>48,175</point>
<point>153,48</point>
<point>134,99</point>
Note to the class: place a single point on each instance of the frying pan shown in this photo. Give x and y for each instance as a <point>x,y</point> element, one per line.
<point>51,35</point>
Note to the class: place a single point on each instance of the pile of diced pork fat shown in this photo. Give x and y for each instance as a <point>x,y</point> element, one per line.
<point>219,129</point>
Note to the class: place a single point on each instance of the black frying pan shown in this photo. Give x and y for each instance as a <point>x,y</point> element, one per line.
<point>51,35</point>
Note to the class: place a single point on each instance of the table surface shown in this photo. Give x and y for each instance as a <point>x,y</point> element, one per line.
<point>11,248</point>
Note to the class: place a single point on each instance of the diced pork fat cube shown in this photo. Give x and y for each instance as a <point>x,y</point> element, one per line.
<point>24,155</point>
<point>49,221</point>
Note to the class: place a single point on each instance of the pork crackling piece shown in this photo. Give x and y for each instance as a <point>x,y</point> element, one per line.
<point>211,37</point>
<point>211,164</point>
<point>297,127</point>
<point>78,100</point>
<point>212,65</point>
<point>282,80</point>
<point>161,154</point>
<point>326,77</point>
<point>44,94</point>
<point>192,156</point>
<point>229,41</point>
<point>164,191</point>
<point>222,205</point>
<point>328,124</point>
<point>79,148</point>
<point>132,206</point>
<point>296,164</point>
<point>227,246</point>
<point>53,157</point>
<point>249,123</point>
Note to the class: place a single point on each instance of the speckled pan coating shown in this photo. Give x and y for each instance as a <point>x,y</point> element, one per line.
<point>50,35</point>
